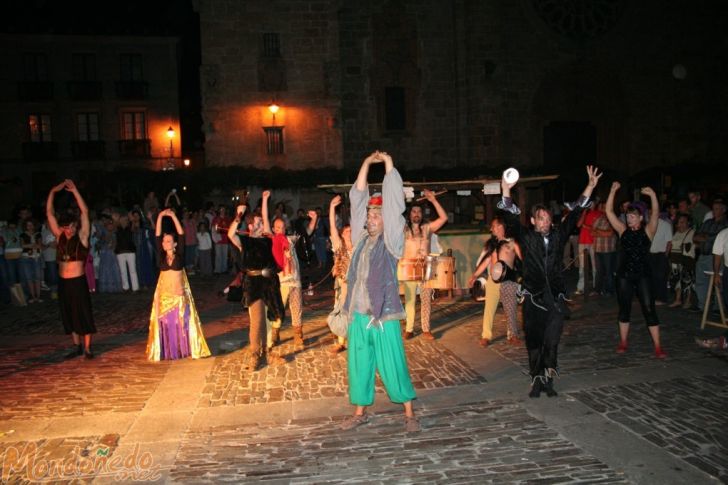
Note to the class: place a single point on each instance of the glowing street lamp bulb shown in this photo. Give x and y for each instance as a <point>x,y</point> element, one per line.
<point>187,162</point>
<point>184,187</point>
<point>170,132</point>
<point>273,108</point>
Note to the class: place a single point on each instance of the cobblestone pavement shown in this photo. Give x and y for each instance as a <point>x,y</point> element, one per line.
<point>473,443</point>
<point>671,409</point>
<point>591,336</point>
<point>317,373</point>
<point>44,385</point>
<point>687,417</point>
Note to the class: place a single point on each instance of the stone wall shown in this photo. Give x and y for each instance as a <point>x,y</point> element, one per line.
<point>239,82</point>
<point>486,83</point>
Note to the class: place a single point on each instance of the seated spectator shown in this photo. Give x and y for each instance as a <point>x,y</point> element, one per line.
<point>682,261</point>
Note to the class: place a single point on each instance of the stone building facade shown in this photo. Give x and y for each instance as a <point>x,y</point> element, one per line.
<point>545,84</point>
<point>255,54</point>
<point>81,105</point>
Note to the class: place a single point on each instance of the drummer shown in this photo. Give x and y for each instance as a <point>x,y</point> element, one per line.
<point>499,248</point>
<point>416,249</point>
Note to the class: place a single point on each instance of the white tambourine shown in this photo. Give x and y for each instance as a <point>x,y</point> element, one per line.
<point>510,175</point>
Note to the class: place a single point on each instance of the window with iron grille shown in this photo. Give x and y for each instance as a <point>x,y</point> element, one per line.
<point>87,126</point>
<point>39,127</point>
<point>274,140</point>
<point>271,45</point>
<point>394,108</point>
<point>35,67</point>
<point>131,67</point>
<point>84,67</point>
<point>133,126</point>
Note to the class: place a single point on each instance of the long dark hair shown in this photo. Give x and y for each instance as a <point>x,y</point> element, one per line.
<point>409,214</point>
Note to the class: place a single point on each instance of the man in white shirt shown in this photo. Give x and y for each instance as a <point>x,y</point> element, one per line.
<point>720,250</point>
<point>659,262</point>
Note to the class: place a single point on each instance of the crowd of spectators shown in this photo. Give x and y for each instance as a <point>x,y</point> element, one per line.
<point>688,248</point>
<point>122,256</point>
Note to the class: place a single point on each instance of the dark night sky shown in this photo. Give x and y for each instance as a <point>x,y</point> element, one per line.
<point>86,17</point>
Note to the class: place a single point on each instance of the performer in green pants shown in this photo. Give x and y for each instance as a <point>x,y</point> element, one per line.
<point>377,347</point>
<point>372,302</point>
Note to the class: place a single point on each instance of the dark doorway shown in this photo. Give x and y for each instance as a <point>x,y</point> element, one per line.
<point>568,146</point>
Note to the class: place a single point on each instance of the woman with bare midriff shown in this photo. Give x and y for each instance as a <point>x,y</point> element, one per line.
<point>72,248</point>
<point>175,331</point>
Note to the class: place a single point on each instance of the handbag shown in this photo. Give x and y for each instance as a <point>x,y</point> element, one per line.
<point>17,295</point>
<point>338,321</point>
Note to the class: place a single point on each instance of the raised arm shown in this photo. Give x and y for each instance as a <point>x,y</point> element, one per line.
<point>264,212</point>
<point>233,230</point>
<point>594,177</point>
<point>651,228</point>
<point>158,224</point>
<point>441,214</point>
<point>510,210</point>
<point>50,211</point>
<point>85,229</point>
<point>177,225</point>
<point>361,180</point>
<point>577,208</point>
<point>336,242</point>
<point>358,198</point>
<point>618,225</point>
<point>393,206</point>
<point>171,193</point>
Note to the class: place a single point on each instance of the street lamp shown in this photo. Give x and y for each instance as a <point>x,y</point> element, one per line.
<point>273,108</point>
<point>170,135</point>
<point>274,133</point>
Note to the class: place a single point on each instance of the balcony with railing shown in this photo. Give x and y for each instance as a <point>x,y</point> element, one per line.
<point>135,148</point>
<point>34,151</point>
<point>84,90</point>
<point>132,89</point>
<point>88,150</point>
<point>35,90</point>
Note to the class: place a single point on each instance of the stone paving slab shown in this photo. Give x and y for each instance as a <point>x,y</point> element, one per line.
<point>484,442</point>
<point>686,417</point>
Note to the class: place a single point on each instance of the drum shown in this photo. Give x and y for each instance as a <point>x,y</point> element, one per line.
<point>411,269</point>
<point>442,271</point>
<point>498,271</point>
<point>478,289</point>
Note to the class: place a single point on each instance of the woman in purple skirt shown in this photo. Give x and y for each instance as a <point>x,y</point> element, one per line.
<point>174,326</point>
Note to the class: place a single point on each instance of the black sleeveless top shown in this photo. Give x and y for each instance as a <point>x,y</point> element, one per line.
<point>257,253</point>
<point>633,252</point>
<point>68,250</point>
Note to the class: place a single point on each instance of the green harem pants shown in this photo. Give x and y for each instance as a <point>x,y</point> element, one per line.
<point>374,347</point>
